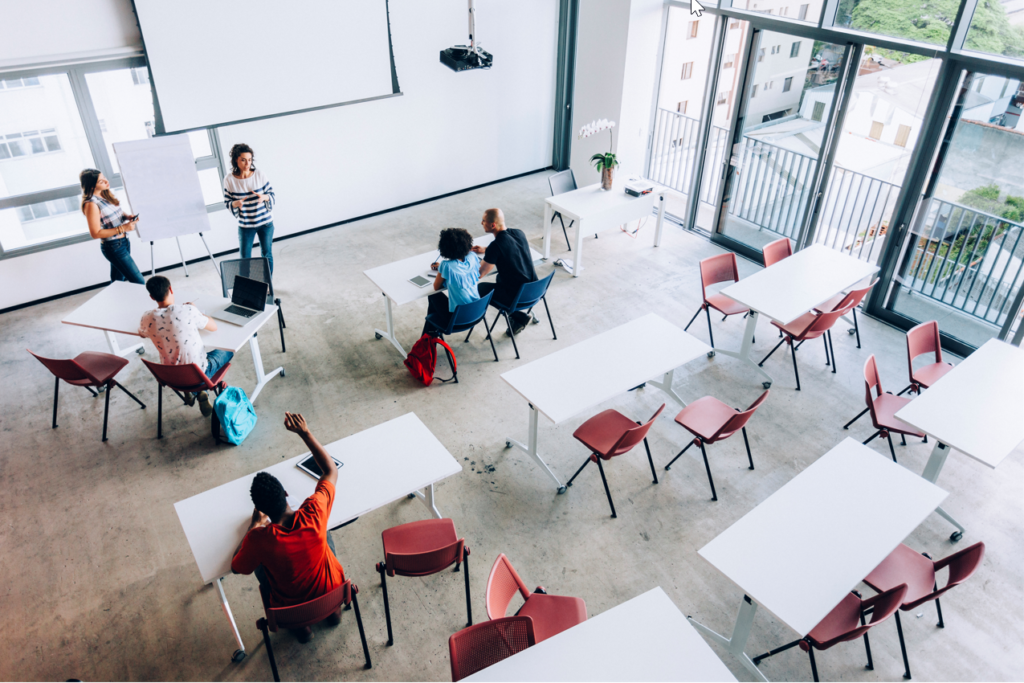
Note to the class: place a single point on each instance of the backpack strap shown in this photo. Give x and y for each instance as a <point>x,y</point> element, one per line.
<point>451,361</point>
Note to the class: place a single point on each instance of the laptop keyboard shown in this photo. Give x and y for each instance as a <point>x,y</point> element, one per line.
<point>238,310</point>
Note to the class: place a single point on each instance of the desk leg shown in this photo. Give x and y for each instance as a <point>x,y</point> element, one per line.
<point>931,473</point>
<point>574,266</point>
<point>116,349</point>
<point>427,498</point>
<point>661,220</point>
<point>240,652</point>
<point>744,352</point>
<point>390,334</point>
<point>665,384</point>
<point>549,214</point>
<point>531,449</point>
<point>257,362</point>
<point>740,634</point>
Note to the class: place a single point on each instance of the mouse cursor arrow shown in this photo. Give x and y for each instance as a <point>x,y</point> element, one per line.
<point>696,8</point>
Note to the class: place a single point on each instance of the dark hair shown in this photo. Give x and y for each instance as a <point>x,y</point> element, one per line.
<point>237,151</point>
<point>158,286</point>
<point>455,243</point>
<point>88,178</point>
<point>268,496</point>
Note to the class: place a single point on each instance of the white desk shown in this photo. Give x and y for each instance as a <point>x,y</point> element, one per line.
<point>810,543</point>
<point>393,282</point>
<point>581,376</point>
<point>785,291</point>
<point>594,210</point>
<point>976,408</point>
<point>118,308</point>
<point>644,639</point>
<point>380,465</point>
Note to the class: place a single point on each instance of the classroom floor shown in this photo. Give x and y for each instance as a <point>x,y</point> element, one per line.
<point>99,582</point>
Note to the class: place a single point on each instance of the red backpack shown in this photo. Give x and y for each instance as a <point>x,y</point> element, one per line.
<point>422,359</point>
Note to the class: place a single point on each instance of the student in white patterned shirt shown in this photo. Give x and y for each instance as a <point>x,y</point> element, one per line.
<point>174,331</point>
<point>250,197</point>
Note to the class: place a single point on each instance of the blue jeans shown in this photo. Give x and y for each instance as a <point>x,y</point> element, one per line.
<point>266,235</point>
<point>122,266</point>
<point>215,360</point>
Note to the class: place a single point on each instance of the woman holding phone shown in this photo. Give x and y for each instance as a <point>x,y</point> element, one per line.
<point>249,196</point>
<point>109,224</point>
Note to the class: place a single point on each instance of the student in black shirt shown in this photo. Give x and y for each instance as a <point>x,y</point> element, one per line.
<point>510,252</point>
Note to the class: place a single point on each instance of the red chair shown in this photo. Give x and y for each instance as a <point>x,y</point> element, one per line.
<point>857,296</point>
<point>551,614</point>
<point>883,408</point>
<point>921,340</point>
<point>918,573</point>
<point>846,622</point>
<point>307,614</point>
<point>710,420</point>
<point>773,252</point>
<point>811,326</point>
<point>608,434</point>
<point>721,268</point>
<point>478,647</point>
<point>88,369</point>
<point>421,549</point>
<point>182,378</point>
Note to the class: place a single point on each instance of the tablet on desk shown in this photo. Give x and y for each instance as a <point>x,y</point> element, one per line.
<point>420,281</point>
<point>310,467</point>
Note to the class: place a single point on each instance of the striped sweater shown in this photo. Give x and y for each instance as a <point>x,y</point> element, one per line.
<point>251,214</point>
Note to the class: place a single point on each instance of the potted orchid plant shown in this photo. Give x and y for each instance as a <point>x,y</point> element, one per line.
<point>605,162</point>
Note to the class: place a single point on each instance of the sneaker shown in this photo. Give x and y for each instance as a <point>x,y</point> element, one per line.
<point>304,634</point>
<point>334,619</point>
<point>535,320</point>
<point>517,329</point>
<point>205,407</point>
<point>190,399</point>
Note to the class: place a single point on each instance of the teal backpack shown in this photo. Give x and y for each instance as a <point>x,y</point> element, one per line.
<point>233,415</point>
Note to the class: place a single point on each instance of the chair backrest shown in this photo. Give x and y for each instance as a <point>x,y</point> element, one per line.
<point>424,564</point>
<point>872,381</point>
<point>469,314</point>
<point>773,252</point>
<point>306,613</point>
<point>563,182</point>
<point>180,377</point>
<point>721,268</point>
<point>481,645</point>
<point>962,564</point>
<point>502,584</point>
<point>252,268</point>
<point>740,419</point>
<point>825,321</point>
<point>531,292</point>
<point>922,339</point>
<point>883,605</point>
<point>65,368</point>
<point>854,297</point>
<point>631,437</point>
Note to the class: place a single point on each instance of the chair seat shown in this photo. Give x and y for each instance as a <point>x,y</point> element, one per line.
<point>423,536</point>
<point>845,617</point>
<point>798,327</point>
<point>102,366</point>
<point>725,305</point>
<point>904,566</point>
<point>601,432</point>
<point>930,374</point>
<point>705,416</point>
<point>553,614</point>
<point>885,408</point>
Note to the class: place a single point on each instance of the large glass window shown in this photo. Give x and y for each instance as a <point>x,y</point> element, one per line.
<point>997,28</point>
<point>923,21</point>
<point>797,10</point>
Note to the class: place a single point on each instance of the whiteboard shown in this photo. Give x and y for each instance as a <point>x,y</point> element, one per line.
<point>162,184</point>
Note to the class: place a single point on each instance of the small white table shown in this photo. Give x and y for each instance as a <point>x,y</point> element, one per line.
<point>786,290</point>
<point>382,464</point>
<point>581,376</point>
<point>594,210</point>
<point>644,639</point>
<point>119,307</point>
<point>976,408</point>
<point>810,543</point>
<point>393,282</point>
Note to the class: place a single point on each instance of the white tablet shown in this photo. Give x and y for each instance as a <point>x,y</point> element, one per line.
<point>420,281</point>
<point>310,467</point>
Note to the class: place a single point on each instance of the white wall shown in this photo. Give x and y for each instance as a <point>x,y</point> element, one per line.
<point>43,30</point>
<point>447,132</point>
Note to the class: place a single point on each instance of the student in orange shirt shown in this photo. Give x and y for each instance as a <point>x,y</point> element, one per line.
<point>291,551</point>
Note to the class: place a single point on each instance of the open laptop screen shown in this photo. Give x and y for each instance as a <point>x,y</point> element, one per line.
<point>249,293</point>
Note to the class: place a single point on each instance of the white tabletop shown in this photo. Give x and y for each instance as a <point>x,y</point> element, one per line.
<point>393,278</point>
<point>578,377</point>
<point>803,549</point>
<point>592,202</point>
<point>119,306</point>
<point>644,639</point>
<point>380,465</point>
<point>978,406</point>
<point>795,285</point>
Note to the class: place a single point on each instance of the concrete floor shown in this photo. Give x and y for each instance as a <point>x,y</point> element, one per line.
<point>99,582</point>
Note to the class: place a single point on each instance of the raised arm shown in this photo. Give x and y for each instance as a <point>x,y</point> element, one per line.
<point>294,422</point>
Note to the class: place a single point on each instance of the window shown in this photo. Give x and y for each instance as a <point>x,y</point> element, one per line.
<point>794,50</point>
<point>768,85</point>
<point>784,12</point>
<point>34,212</point>
<point>819,111</point>
<point>729,61</point>
<point>753,91</point>
<point>140,76</point>
<point>876,130</point>
<point>802,12</point>
<point>802,15</point>
<point>681,107</point>
<point>787,84</point>
<point>723,97</point>
<point>776,49</point>
<point>687,70</point>
<point>14,145</point>
<point>734,24</point>
<point>18,83</point>
<point>902,135</point>
<point>760,55</point>
<point>692,30</point>
<point>922,22</point>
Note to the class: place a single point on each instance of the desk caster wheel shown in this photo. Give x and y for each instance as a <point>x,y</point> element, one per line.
<point>282,372</point>
<point>956,536</point>
<point>141,351</point>
<point>411,496</point>
<point>508,444</point>
<point>766,385</point>
<point>561,490</point>
<point>711,354</point>
<point>238,656</point>
<point>376,335</point>
<point>100,390</point>
<point>851,331</point>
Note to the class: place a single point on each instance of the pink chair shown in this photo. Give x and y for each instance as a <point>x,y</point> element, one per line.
<point>846,622</point>
<point>917,572</point>
<point>721,268</point>
<point>478,647</point>
<point>883,408</point>
<point>182,378</point>
<point>856,295</point>
<point>811,326</point>
<point>551,614</point>
<point>88,369</point>
<point>307,614</point>
<point>773,252</point>
<point>421,549</point>
<point>710,420</point>
<point>608,434</point>
<point>921,340</point>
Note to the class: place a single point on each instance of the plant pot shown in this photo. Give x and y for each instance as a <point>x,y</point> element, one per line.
<point>607,177</point>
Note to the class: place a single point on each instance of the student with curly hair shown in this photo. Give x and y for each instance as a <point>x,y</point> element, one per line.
<point>250,197</point>
<point>460,271</point>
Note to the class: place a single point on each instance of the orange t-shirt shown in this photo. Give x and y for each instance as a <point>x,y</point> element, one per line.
<point>299,564</point>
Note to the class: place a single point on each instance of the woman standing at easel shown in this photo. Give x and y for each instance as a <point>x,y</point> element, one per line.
<point>249,196</point>
<point>109,224</point>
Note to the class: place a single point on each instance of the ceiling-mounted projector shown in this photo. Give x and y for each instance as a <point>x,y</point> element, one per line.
<point>466,57</point>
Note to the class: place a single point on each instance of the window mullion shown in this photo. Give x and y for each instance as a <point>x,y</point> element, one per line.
<point>91,123</point>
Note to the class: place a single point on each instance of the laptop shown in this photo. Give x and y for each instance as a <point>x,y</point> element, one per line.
<point>248,299</point>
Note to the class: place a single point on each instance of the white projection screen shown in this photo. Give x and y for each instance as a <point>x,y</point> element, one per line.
<point>215,62</point>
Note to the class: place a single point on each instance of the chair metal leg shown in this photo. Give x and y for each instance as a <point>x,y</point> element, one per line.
<point>856,326</point>
<point>909,387</point>
<point>714,496</point>
<point>382,570</point>
<point>469,603</point>
<point>56,390</point>
<point>903,439</point>
<point>362,633</point>
<point>130,394</point>
<point>771,653</point>
<point>280,327</point>
<point>776,348</point>
<point>711,335</point>
<point>585,463</point>
<point>280,313</point>
<point>872,437</point>
<point>832,348</point>
<point>903,646</point>
<point>867,644</point>
<point>747,444</point>
<point>693,318</point>
<point>511,333</point>
<point>548,312</point>
<point>564,232</point>
<point>796,372</point>
<point>938,608</point>
<point>814,669</point>
<point>470,333</point>
<point>859,416</point>
<point>493,350</point>
<point>824,340</point>
<point>262,624</point>
<point>106,409</point>
<point>669,465</point>
<point>650,460</point>
<point>94,394</point>
<point>891,449</point>
<point>159,410</point>
<point>606,490</point>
